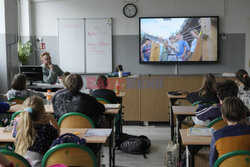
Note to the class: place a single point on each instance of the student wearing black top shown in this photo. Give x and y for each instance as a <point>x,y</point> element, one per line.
<point>102,91</point>
<point>207,92</point>
<point>72,100</point>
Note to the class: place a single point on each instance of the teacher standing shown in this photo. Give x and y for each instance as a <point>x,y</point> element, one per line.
<point>50,71</point>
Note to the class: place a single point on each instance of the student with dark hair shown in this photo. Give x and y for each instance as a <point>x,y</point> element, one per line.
<point>72,100</point>
<point>243,82</point>
<point>102,91</point>
<point>233,137</point>
<point>207,92</point>
<point>19,88</point>
<point>146,50</point>
<point>207,112</point>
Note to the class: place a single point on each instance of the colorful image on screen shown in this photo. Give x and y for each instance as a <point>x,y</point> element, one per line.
<point>190,39</point>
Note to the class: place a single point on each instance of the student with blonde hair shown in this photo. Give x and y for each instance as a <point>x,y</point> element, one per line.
<point>19,88</point>
<point>51,72</point>
<point>35,131</point>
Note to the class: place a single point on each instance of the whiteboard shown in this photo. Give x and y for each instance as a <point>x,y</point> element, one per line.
<point>85,45</point>
<point>71,41</point>
<point>98,46</point>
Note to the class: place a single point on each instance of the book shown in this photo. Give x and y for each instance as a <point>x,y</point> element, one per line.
<point>200,131</point>
<point>98,132</point>
<point>109,106</point>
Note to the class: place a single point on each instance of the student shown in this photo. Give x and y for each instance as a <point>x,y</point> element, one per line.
<point>194,33</point>
<point>19,88</point>
<point>64,76</point>
<point>102,91</point>
<point>207,112</point>
<point>4,107</point>
<point>51,72</point>
<point>72,100</point>
<point>5,162</point>
<point>35,131</point>
<point>233,137</point>
<point>207,92</point>
<point>243,82</point>
<point>146,50</point>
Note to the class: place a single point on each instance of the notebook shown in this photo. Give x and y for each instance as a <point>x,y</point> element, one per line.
<point>98,132</point>
<point>109,106</point>
<point>200,131</point>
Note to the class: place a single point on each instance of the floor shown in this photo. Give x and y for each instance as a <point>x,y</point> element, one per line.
<point>159,136</point>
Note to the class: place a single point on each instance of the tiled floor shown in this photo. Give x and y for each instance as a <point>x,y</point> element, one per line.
<point>159,136</point>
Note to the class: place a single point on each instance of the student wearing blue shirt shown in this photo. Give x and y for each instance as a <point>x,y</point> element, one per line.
<point>4,107</point>
<point>233,137</point>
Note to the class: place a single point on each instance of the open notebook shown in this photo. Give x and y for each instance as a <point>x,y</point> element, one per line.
<point>98,132</point>
<point>200,131</point>
<point>108,106</point>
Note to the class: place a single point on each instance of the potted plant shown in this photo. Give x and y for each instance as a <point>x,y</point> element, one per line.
<point>24,52</point>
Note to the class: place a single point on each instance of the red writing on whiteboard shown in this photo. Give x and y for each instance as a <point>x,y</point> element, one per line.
<point>91,34</point>
<point>91,44</point>
<point>102,43</point>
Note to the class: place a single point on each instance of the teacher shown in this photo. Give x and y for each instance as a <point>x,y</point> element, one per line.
<point>50,71</point>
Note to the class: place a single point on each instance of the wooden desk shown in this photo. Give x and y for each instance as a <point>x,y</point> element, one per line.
<point>193,140</point>
<point>181,113</point>
<point>7,136</point>
<point>173,99</point>
<point>49,109</point>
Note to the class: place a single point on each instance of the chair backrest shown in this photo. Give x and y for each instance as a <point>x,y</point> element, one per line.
<point>70,154</point>
<point>217,123</point>
<point>15,158</point>
<point>75,120</point>
<point>15,115</point>
<point>18,100</point>
<point>234,159</point>
<point>103,101</point>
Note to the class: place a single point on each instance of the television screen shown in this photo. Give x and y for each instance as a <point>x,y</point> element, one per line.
<point>179,39</point>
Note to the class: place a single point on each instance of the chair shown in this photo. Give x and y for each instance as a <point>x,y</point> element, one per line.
<point>234,159</point>
<point>70,154</point>
<point>217,123</point>
<point>103,101</point>
<point>15,115</point>
<point>18,100</point>
<point>75,120</point>
<point>15,158</point>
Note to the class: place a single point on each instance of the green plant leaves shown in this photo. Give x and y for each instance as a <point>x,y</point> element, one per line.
<point>24,51</point>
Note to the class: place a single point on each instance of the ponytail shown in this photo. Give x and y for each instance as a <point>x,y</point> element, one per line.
<point>26,133</point>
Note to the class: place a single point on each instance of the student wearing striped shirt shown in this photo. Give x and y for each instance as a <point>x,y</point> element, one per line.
<point>233,137</point>
<point>207,112</point>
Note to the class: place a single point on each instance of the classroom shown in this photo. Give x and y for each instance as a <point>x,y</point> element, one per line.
<point>159,58</point>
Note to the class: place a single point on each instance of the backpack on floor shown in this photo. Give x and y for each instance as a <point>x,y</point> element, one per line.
<point>68,138</point>
<point>136,145</point>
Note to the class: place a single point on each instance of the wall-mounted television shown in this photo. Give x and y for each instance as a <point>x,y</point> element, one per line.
<point>179,39</point>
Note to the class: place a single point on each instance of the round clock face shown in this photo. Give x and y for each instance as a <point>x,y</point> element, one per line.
<point>129,10</point>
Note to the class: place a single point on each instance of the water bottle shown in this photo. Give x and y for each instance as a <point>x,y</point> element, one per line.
<point>49,97</point>
<point>117,87</point>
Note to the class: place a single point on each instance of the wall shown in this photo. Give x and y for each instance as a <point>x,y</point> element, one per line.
<point>125,31</point>
<point>8,42</point>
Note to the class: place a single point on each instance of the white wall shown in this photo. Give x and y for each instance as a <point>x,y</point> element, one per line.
<point>24,18</point>
<point>247,45</point>
<point>45,12</point>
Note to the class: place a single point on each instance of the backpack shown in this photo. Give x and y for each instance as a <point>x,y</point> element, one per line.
<point>136,145</point>
<point>68,138</point>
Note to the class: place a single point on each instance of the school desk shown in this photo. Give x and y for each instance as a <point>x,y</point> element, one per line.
<point>173,99</point>
<point>188,140</point>
<point>6,137</point>
<point>181,113</point>
<point>49,109</point>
